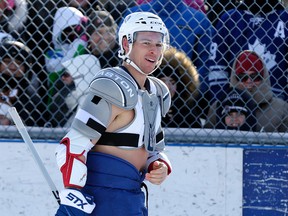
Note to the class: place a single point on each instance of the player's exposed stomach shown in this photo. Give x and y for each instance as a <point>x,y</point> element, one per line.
<point>135,156</point>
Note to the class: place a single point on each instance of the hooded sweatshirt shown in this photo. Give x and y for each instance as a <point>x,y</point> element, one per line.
<point>65,17</point>
<point>271,112</point>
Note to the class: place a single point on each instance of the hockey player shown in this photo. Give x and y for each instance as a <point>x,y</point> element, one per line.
<point>116,140</point>
<point>255,25</point>
<point>190,31</point>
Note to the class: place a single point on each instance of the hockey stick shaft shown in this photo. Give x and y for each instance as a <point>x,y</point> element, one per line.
<point>27,139</point>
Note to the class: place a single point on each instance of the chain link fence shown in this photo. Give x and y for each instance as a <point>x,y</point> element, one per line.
<point>62,44</point>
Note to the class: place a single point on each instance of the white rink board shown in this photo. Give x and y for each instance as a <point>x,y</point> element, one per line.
<point>205,181</point>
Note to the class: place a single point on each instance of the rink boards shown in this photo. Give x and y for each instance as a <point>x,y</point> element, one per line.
<point>206,180</point>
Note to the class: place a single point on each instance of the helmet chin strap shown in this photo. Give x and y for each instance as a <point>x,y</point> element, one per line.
<point>130,62</point>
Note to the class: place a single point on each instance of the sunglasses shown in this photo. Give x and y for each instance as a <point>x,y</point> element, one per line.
<point>255,77</point>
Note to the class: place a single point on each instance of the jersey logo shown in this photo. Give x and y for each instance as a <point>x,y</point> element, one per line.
<point>256,21</point>
<point>260,49</point>
<point>280,30</point>
<point>118,79</point>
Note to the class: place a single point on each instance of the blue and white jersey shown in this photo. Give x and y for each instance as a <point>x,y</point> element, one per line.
<point>239,30</point>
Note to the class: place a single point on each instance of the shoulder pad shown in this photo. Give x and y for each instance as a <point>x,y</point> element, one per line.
<point>163,91</point>
<point>115,86</point>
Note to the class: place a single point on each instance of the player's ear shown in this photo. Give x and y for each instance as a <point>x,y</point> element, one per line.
<point>125,44</point>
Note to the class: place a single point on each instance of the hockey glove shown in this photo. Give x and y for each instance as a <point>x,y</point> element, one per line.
<point>75,203</point>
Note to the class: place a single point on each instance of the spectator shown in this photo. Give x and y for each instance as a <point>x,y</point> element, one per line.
<point>79,72</point>
<point>182,79</point>
<point>39,27</point>
<point>13,18</point>
<point>218,7</point>
<point>69,37</point>
<point>234,111</point>
<point>69,40</point>
<point>17,82</point>
<point>249,73</point>
<point>102,38</point>
<point>196,4</point>
<point>85,6</point>
<point>190,31</point>
<point>115,8</point>
<point>250,27</point>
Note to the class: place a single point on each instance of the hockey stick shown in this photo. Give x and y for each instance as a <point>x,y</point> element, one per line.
<point>27,139</point>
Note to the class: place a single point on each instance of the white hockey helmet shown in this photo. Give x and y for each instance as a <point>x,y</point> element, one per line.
<point>141,22</point>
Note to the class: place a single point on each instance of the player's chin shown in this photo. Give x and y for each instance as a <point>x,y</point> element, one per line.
<point>149,68</point>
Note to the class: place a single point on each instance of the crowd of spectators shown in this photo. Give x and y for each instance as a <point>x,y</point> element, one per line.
<point>255,25</point>
<point>249,73</point>
<point>227,64</point>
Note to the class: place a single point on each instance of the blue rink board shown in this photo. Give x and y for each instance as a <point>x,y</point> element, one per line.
<point>265,182</point>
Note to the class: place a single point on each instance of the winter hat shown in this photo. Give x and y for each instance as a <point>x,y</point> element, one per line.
<point>249,61</point>
<point>234,103</point>
<point>16,50</point>
<point>66,18</point>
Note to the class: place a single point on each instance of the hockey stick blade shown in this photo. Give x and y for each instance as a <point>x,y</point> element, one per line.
<point>27,139</point>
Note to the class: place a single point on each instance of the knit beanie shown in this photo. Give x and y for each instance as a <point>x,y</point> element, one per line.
<point>234,103</point>
<point>15,50</point>
<point>248,61</point>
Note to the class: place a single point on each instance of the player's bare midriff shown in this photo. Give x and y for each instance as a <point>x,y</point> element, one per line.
<point>136,156</point>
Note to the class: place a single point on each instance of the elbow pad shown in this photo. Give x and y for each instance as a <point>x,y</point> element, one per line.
<point>68,153</point>
<point>158,156</point>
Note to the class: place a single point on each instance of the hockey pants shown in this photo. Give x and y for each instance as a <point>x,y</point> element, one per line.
<point>115,185</point>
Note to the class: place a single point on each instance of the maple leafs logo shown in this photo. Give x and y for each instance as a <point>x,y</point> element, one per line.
<point>267,56</point>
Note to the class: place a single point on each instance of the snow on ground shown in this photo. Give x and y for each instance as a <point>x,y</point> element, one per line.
<point>206,181</point>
